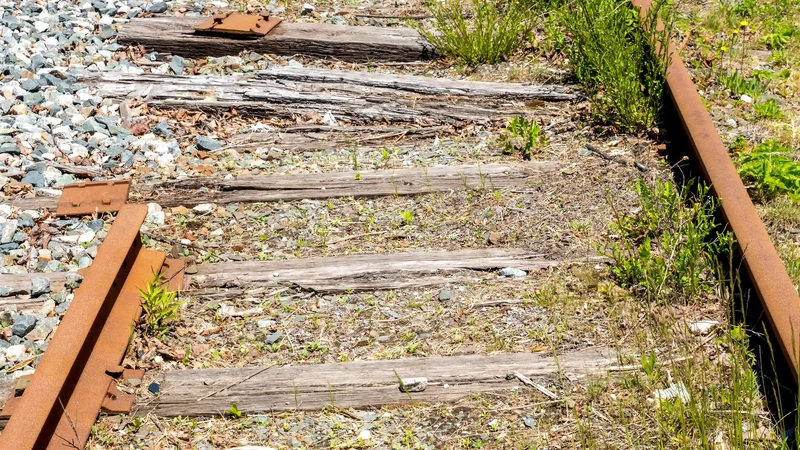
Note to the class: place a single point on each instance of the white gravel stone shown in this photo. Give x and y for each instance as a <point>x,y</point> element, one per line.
<point>86,237</point>
<point>14,352</point>
<point>204,207</point>
<point>48,307</point>
<point>156,218</point>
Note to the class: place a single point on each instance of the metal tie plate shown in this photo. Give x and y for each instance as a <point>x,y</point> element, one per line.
<point>78,199</point>
<point>238,25</point>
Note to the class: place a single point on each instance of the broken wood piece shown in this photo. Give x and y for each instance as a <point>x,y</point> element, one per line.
<point>499,303</point>
<point>82,171</point>
<point>368,183</point>
<point>528,382</point>
<point>367,272</point>
<point>23,302</point>
<point>176,35</point>
<point>361,384</point>
<point>347,102</point>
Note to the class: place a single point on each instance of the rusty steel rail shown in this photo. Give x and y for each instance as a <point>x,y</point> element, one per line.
<point>767,272</point>
<point>77,374</point>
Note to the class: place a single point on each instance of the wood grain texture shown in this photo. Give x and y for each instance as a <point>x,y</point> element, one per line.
<point>33,203</point>
<point>361,384</point>
<point>175,35</point>
<point>22,303</point>
<point>20,284</point>
<point>367,272</point>
<point>421,85</point>
<point>368,183</point>
<point>355,103</point>
<point>315,138</point>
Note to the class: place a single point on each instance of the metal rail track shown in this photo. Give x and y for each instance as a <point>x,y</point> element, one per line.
<point>76,378</point>
<point>766,271</point>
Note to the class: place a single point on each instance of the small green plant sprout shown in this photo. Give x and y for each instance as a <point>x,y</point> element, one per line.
<point>768,109</point>
<point>160,305</point>
<point>771,170</point>
<point>492,34</point>
<point>522,135</point>
<point>739,85</point>
<point>234,412</point>
<point>778,39</point>
<point>407,216</point>
<point>316,346</point>
<point>385,155</point>
<point>738,144</point>
<point>649,366</point>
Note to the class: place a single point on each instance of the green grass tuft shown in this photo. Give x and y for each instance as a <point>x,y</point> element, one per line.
<point>522,135</point>
<point>739,85</point>
<point>160,305</point>
<point>772,170</point>
<point>667,249</point>
<point>612,56</point>
<point>492,34</point>
<point>768,109</point>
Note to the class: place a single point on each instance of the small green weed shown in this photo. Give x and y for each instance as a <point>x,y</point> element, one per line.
<point>790,255</point>
<point>613,57</point>
<point>522,135</point>
<point>495,31</point>
<point>738,144</point>
<point>772,170</point>
<point>407,217</point>
<point>665,249</point>
<point>768,109</point>
<point>739,84</point>
<point>160,305</point>
<point>778,40</point>
<point>234,412</point>
<point>316,346</point>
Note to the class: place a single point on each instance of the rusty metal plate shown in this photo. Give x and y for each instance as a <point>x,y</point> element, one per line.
<point>94,196</point>
<point>75,375</point>
<point>238,25</point>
